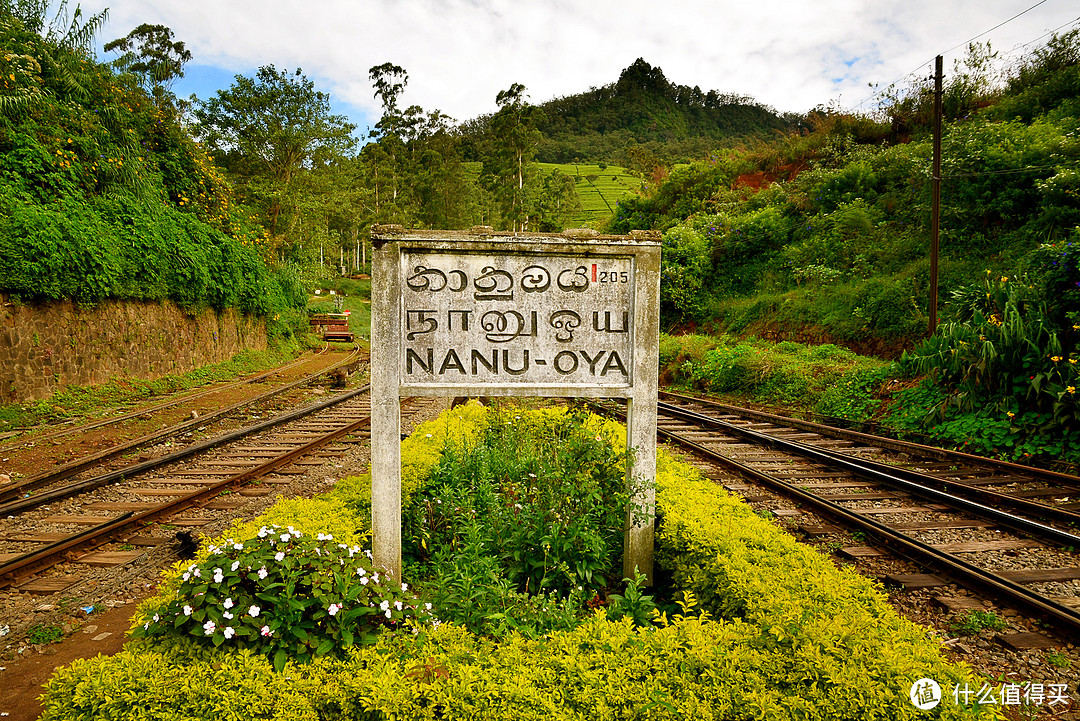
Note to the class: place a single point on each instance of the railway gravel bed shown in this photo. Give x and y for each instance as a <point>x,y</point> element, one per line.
<point>941,608</point>
<point>91,590</point>
<point>1022,647</point>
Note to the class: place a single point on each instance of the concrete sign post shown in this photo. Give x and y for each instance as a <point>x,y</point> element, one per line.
<point>481,313</point>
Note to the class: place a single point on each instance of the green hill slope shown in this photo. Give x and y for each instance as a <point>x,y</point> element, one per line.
<point>642,106</point>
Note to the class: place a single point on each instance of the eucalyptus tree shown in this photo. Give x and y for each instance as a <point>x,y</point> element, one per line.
<point>508,161</point>
<point>415,163</point>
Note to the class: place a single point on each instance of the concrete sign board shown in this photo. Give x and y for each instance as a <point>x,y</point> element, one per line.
<point>480,313</point>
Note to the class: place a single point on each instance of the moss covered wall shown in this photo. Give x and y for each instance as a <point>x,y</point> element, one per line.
<point>46,346</point>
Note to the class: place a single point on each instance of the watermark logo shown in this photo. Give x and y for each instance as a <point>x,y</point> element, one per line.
<point>925,694</point>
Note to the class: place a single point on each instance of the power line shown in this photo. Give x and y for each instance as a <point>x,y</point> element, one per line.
<point>1013,171</point>
<point>968,42</point>
<point>1006,22</point>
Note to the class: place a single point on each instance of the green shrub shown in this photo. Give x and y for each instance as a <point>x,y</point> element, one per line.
<point>770,629</point>
<point>546,491</point>
<point>824,378</point>
<point>281,594</point>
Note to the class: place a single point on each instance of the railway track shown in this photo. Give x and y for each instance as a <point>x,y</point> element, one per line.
<point>45,550</point>
<point>28,489</point>
<point>171,489</point>
<point>1006,531</point>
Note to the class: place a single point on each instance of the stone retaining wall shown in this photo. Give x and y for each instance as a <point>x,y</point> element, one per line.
<point>46,346</point>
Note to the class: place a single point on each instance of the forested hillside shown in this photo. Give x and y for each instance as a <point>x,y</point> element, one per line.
<point>669,121</point>
<point>824,236</point>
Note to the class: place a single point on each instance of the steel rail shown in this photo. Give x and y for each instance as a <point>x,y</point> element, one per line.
<point>888,477</point>
<point>70,469</point>
<point>903,545</point>
<point>128,523</point>
<point>893,444</point>
<point>151,409</point>
<point>25,504</point>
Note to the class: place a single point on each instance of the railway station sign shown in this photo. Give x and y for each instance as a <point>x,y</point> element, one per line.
<point>483,313</point>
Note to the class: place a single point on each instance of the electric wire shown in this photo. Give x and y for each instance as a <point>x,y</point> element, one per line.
<point>968,42</point>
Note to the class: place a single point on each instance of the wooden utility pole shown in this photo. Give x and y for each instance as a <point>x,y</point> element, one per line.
<point>935,201</point>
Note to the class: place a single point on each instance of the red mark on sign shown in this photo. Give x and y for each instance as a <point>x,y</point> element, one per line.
<point>594,272</point>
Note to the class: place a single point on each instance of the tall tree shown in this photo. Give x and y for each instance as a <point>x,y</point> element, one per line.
<point>513,142</point>
<point>389,81</point>
<point>150,52</point>
<point>268,129</point>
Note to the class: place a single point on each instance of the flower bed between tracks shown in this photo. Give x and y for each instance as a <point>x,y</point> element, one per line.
<point>767,628</point>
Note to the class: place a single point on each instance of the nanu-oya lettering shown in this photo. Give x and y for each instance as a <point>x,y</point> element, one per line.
<point>512,362</point>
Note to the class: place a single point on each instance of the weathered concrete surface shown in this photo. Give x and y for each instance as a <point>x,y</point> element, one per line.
<point>47,346</point>
<point>482,313</point>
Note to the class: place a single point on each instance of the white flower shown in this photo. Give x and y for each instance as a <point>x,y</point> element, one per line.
<point>427,606</point>
<point>218,575</point>
<point>229,632</point>
<point>265,631</point>
<point>397,605</point>
<point>404,586</point>
<point>385,605</point>
<point>235,565</point>
<point>156,618</point>
<point>228,603</point>
<point>334,608</point>
<point>197,573</point>
<point>284,537</point>
<point>279,556</point>
<point>227,615</point>
<point>363,580</point>
<point>187,610</point>
<point>186,576</point>
<point>238,546</point>
<point>208,628</point>
<point>388,613</point>
<point>375,576</point>
<point>253,611</point>
<point>263,573</point>
<point>263,532</point>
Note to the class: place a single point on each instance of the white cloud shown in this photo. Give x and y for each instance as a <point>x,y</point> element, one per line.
<point>460,53</point>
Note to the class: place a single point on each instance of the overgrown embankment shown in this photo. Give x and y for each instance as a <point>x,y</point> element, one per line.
<point>121,249</point>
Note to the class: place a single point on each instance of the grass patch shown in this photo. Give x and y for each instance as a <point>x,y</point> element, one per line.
<point>824,379</point>
<point>76,402</point>
<point>599,189</point>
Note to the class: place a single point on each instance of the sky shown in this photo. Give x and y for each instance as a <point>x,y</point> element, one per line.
<point>792,56</point>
